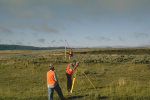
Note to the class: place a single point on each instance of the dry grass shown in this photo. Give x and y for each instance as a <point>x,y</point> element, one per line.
<point>23,76</point>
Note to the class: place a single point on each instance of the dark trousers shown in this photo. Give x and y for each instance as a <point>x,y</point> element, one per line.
<point>58,90</point>
<point>69,82</point>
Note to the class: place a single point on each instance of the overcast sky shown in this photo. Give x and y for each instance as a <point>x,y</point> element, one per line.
<point>83,23</point>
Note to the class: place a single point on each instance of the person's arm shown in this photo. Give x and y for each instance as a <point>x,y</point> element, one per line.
<point>55,77</point>
<point>71,68</point>
<point>77,64</point>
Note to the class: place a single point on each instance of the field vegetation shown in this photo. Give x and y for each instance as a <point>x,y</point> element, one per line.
<point>117,74</point>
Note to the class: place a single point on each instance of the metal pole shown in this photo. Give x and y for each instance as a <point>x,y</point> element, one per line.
<point>65,49</point>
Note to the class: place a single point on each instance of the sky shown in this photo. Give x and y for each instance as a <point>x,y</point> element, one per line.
<point>83,23</point>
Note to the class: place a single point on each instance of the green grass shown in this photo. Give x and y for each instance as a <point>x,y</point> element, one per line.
<point>23,76</point>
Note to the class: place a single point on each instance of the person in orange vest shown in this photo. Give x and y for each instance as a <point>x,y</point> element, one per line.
<point>52,84</point>
<point>70,53</point>
<point>69,71</point>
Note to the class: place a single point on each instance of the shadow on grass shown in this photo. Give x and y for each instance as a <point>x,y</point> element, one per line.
<point>78,97</point>
<point>26,98</point>
<point>100,87</point>
<point>75,97</point>
<point>103,97</point>
<point>93,88</point>
<point>46,98</point>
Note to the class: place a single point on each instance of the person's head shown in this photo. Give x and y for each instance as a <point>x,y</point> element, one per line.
<point>74,62</point>
<point>52,67</point>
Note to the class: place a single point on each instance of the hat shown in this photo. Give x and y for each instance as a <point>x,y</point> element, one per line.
<point>74,61</point>
<point>51,67</point>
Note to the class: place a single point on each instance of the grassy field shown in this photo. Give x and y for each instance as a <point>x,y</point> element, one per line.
<point>118,74</point>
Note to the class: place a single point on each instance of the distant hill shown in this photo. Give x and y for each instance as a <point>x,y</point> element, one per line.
<point>20,47</point>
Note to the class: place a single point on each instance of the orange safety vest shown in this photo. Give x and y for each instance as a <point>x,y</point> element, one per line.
<point>69,71</point>
<point>50,77</point>
<point>70,52</point>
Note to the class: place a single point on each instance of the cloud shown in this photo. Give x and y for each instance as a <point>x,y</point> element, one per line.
<point>93,7</point>
<point>27,8</point>
<point>99,38</point>
<point>74,18</point>
<point>61,40</point>
<point>4,30</point>
<point>121,39</point>
<point>118,5</point>
<point>48,8</point>
<point>89,38</point>
<point>53,41</point>
<point>14,42</point>
<point>38,27</point>
<point>44,28</point>
<point>57,41</point>
<point>141,35</point>
<point>102,38</point>
<point>19,43</point>
<point>42,40</point>
<point>32,13</point>
<point>23,13</point>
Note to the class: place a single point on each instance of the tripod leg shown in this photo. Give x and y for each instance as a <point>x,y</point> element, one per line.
<point>89,81</point>
<point>73,81</point>
<point>72,85</point>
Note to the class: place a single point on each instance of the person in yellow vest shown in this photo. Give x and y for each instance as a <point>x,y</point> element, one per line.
<point>69,71</point>
<point>52,84</point>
